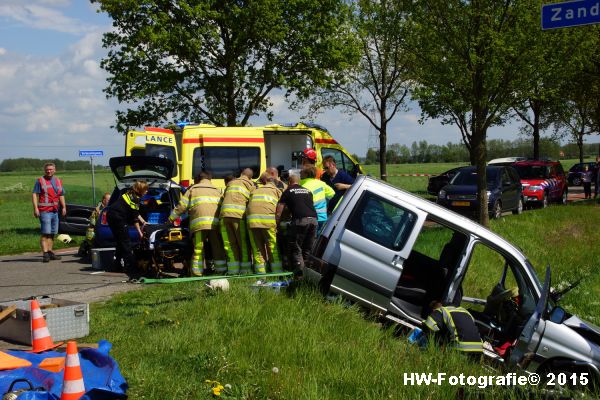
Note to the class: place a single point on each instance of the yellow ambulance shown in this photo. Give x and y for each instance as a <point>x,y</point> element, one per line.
<point>227,151</point>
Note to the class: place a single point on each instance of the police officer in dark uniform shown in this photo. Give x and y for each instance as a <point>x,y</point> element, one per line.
<point>456,326</point>
<point>122,213</point>
<point>302,230</point>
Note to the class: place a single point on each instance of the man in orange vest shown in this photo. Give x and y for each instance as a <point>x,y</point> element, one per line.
<point>48,193</point>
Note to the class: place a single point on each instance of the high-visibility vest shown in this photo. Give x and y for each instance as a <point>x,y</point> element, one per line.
<point>202,202</point>
<point>322,192</point>
<point>262,205</point>
<point>48,197</point>
<point>130,202</point>
<point>459,326</point>
<point>236,197</point>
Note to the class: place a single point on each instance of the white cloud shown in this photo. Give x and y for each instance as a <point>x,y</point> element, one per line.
<point>43,119</point>
<point>19,108</point>
<point>2,51</point>
<point>79,128</point>
<point>42,15</point>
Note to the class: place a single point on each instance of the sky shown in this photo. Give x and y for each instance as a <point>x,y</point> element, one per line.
<point>53,105</point>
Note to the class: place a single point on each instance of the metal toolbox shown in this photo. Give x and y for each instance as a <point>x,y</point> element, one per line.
<point>65,320</point>
<point>103,258</point>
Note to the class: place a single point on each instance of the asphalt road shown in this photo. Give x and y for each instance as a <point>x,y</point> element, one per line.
<point>25,275</point>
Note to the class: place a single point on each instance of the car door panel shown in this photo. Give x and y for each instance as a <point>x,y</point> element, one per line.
<point>371,248</point>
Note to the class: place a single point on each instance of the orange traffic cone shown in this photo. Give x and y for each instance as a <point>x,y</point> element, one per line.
<point>40,335</point>
<point>73,387</point>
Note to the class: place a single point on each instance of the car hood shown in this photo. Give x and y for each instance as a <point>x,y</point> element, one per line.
<point>134,168</point>
<point>584,328</point>
<point>528,182</point>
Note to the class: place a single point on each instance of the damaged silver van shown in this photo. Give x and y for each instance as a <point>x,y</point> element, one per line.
<point>395,253</point>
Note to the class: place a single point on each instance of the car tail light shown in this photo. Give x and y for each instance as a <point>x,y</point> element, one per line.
<point>320,246</point>
<point>103,220</point>
<point>177,222</point>
<point>185,183</point>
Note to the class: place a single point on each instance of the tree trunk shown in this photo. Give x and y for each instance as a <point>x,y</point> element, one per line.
<point>382,152</point>
<point>480,155</point>
<point>536,130</point>
<point>580,145</point>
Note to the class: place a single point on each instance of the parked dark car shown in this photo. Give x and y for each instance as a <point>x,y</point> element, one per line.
<point>574,175</point>
<point>436,183</point>
<point>504,191</point>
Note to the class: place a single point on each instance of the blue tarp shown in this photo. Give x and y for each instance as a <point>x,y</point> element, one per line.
<point>101,375</point>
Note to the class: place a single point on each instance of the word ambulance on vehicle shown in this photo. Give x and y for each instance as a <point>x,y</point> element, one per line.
<point>228,150</point>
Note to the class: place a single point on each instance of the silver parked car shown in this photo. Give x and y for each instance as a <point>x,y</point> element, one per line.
<point>395,253</point>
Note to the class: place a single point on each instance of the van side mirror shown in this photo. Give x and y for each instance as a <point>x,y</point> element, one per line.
<point>558,315</point>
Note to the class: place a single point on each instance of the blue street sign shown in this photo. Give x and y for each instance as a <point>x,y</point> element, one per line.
<point>570,13</point>
<point>91,153</point>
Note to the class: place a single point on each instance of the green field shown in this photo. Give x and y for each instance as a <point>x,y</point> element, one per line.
<point>170,339</point>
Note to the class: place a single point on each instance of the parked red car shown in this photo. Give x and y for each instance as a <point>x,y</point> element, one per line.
<point>543,181</point>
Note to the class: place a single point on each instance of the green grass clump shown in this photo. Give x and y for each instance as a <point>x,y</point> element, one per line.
<point>169,340</point>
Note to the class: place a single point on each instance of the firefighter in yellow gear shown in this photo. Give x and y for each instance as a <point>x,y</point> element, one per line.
<point>262,225</point>
<point>233,223</point>
<point>202,201</point>
<point>454,325</point>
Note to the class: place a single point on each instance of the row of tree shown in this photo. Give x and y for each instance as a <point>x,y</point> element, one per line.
<point>36,164</point>
<point>473,64</point>
<point>423,152</point>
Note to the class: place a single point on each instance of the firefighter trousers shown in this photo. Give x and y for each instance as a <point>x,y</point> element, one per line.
<point>264,248</point>
<point>213,237</point>
<point>235,243</point>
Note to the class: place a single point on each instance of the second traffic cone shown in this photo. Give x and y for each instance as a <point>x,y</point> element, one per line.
<point>73,387</point>
<point>40,335</point>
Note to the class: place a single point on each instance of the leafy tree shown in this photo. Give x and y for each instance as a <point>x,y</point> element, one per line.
<point>372,156</point>
<point>377,87</point>
<point>575,112</point>
<point>218,61</point>
<point>471,58</point>
<point>549,59</point>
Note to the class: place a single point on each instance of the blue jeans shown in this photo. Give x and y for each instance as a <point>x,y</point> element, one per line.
<point>49,223</point>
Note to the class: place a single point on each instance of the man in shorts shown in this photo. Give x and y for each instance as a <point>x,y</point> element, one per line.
<point>48,193</point>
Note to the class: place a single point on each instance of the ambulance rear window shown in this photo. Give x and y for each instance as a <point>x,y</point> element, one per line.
<point>223,161</point>
<point>163,152</point>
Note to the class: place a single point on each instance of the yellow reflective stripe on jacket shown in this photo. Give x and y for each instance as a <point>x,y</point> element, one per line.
<point>265,197</point>
<point>233,208</point>
<point>431,324</point>
<point>261,218</point>
<point>204,199</point>
<point>203,222</point>
<point>132,204</point>
<point>321,192</point>
<point>469,346</point>
<point>240,189</point>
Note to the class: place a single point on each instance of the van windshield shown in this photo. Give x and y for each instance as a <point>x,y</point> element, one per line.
<point>224,161</point>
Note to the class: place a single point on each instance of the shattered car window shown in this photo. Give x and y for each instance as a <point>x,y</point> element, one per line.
<point>382,222</point>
